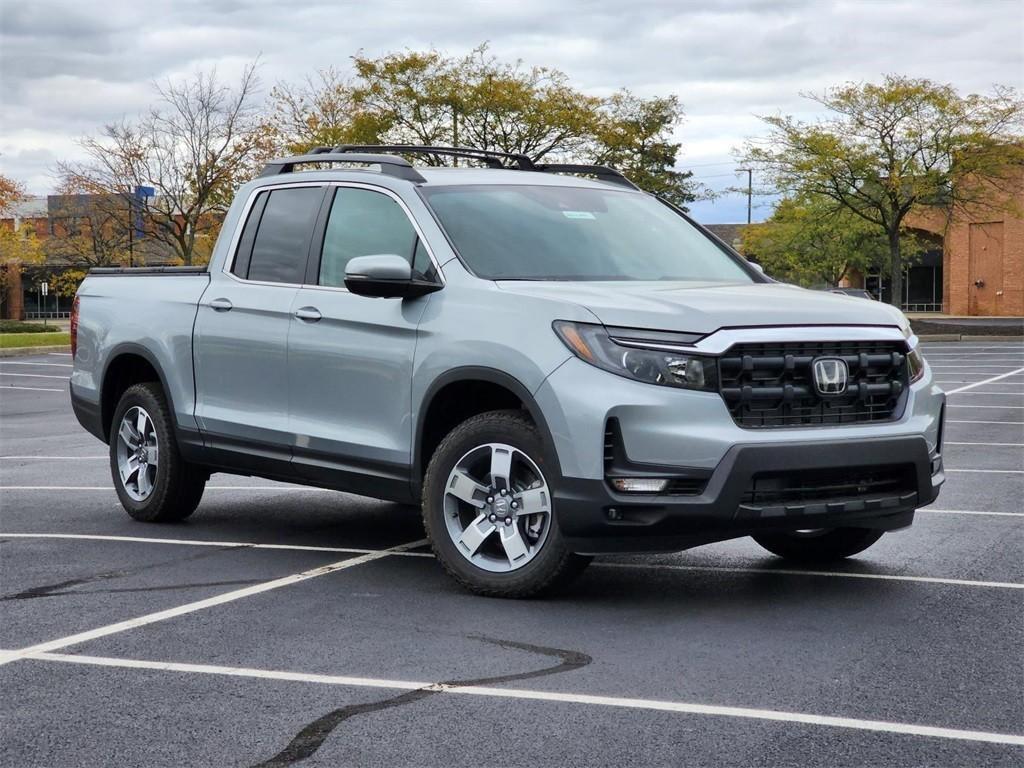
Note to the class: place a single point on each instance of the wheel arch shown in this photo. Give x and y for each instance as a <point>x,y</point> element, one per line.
<point>432,426</point>
<point>128,364</point>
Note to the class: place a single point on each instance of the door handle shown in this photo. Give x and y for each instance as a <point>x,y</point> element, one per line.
<point>221,305</point>
<point>309,314</point>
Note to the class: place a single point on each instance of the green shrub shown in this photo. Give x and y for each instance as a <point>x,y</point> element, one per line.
<point>17,326</point>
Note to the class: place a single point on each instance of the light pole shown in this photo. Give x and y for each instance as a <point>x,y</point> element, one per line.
<point>750,189</point>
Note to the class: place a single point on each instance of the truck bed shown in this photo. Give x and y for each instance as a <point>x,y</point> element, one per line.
<point>143,271</point>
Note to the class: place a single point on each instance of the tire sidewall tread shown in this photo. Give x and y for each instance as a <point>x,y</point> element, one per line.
<point>178,486</point>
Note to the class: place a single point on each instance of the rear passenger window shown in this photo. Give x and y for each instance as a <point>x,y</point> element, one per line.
<point>364,223</point>
<point>281,239</point>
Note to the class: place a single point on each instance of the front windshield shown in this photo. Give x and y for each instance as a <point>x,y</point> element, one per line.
<point>519,232</point>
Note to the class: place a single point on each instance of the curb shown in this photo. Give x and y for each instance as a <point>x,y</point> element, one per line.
<point>18,351</point>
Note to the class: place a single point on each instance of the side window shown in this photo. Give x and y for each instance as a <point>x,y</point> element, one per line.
<point>243,255</point>
<point>363,223</point>
<point>282,239</point>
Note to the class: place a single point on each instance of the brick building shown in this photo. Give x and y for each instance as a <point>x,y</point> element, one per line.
<point>973,263</point>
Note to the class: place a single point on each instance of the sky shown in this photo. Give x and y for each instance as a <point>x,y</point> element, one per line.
<point>67,68</point>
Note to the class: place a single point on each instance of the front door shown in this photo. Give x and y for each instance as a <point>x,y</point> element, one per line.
<point>985,291</point>
<point>241,334</point>
<point>350,357</point>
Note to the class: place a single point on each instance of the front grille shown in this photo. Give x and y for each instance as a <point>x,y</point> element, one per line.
<point>816,485</point>
<point>771,384</point>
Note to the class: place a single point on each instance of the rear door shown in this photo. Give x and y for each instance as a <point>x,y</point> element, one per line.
<point>241,336</point>
<point>350,357</point>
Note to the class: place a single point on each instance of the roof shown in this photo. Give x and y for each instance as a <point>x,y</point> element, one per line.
<point>30,208</point>
<point>732,234</point>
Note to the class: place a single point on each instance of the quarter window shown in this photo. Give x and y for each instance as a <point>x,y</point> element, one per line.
<point>281,241</point>
<point>366,223</point>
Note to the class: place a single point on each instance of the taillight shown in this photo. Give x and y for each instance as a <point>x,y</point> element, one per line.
<point>74,328</point>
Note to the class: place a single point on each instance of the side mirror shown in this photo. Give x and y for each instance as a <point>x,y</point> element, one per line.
<point>385,276</point>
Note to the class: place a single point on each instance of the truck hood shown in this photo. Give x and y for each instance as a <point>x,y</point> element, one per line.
<point>704,308</point>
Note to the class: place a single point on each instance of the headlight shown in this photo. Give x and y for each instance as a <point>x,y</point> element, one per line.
<point>592,344</point>
<point>915,365</point>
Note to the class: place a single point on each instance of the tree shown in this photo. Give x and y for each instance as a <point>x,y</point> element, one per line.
<point>90,227</point>
<point>198,143</point>
<point>11,192</point>
<point>634,135</point>
<point>17,246</point>
<point>479,101</point>
<point>884,150</point>
<point>64,283</point>
<point>812,241</point>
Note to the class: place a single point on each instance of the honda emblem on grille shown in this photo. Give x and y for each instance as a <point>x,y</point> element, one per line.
<point>830,375</point>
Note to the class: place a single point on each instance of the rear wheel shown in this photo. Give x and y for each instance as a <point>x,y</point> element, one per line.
<point>821,545</point>
<point>153,482</point>
<point>488,509</point>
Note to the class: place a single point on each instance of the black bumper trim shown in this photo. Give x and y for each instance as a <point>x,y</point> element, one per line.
<point>595,519</point>
<point>89,415</point>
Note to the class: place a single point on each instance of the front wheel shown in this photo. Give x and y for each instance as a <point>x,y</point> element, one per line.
<point>488,509</point>
<point>822,545</point>
<point>153,482</point>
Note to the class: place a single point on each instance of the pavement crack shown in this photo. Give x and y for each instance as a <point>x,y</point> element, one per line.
<point>120,590</point>
<point>312,736</point>
<point>64,587</point>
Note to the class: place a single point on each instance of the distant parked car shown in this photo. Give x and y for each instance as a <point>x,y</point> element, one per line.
<point>860,293</point>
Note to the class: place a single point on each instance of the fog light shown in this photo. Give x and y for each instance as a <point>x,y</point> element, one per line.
<point>639,484</point>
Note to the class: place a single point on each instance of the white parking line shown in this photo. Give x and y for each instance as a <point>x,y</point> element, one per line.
<point>59,354</point>
<point>1007,423</point>
<point>202,543</point>
<point>52,458</point>
<point>621,702</point>
<point>962,405</point>
<point>289,488</point>
<point>655,566</point>
<point>970,512</point>
<point>822,574</point>
<point>31,389</point>
<point>991,471</point>
<point>1003,394</point>
<point>998,445</point>
<point>35,375</point>
<point>48,365</point>
<point>181,610</point>
<point>986,381</point>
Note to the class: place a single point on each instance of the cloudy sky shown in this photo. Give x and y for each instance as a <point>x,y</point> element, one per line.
<point>68,67</point>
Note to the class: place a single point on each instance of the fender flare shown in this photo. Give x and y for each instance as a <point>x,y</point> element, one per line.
<point>133,348</point>
<point>492,376</point>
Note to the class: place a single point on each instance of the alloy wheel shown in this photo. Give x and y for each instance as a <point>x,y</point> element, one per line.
<point>137,453</point>
<point>497,507</point>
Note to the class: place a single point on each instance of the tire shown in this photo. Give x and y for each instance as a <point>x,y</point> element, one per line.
<point>821,546</point>
<point>168,492</point>
<point>499,567</point>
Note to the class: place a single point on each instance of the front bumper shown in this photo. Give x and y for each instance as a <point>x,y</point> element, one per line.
<point>596,519</point>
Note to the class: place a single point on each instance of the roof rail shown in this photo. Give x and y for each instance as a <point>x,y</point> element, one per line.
<point>390,165</point>
<point>399,167</point>
<point>492,158</point>
<point>602,172</point>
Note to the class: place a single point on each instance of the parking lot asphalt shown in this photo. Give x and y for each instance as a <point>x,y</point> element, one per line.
<point>290,626</point>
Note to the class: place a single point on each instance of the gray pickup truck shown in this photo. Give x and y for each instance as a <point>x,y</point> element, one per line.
<point>552,362</point>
